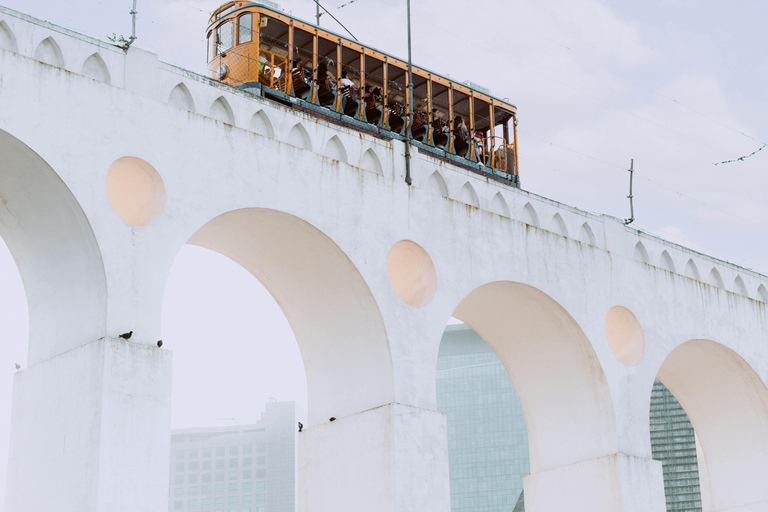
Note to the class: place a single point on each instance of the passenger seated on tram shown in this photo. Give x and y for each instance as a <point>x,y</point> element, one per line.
<point>461,136</point>
<point>481,146</point>
<point>345,81</point>
<point>326,87</point>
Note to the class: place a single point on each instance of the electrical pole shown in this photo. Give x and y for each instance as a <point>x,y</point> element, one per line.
<point>317,14</point>
<point>631,218</point>
<point>410,104</point>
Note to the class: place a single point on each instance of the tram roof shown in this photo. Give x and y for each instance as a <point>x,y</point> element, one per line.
<point>250,5</point>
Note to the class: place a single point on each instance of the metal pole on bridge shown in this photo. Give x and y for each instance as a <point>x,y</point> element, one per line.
<point>410,104</point>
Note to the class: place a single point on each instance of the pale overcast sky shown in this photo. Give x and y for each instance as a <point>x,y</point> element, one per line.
<point>678,85</point>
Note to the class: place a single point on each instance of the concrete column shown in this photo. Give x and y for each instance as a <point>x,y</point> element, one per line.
<point>614,483</point>
<point>90,431</point>
<point>391,458</point>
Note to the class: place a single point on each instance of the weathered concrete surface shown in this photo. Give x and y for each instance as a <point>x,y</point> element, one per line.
<point>251,179</point>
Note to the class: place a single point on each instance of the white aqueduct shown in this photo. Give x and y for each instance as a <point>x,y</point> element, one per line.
<point>111,162</point>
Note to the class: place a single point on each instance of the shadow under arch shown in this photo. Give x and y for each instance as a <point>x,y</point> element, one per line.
<point>332,312</point>
<point>56,252</point>
<point>727,403</point>
<point>561,385</point>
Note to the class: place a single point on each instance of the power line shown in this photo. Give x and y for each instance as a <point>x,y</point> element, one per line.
<point>493,51</point>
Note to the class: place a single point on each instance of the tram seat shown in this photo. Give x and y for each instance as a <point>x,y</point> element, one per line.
<point>420,123</point>
<point>439,132</point>
<point>350,94</point>
<point>301,83</point>
<point>325,91</point>
<point>395,118</point>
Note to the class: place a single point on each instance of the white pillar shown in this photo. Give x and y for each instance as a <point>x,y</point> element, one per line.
<point>389,459</point>
<point>90,431</point>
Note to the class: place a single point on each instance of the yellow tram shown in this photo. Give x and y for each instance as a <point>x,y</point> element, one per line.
<point>251,45</point>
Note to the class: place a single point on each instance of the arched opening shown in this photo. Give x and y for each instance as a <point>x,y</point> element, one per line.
<point>641,254</point>
<point>586,235</point>
<point>180,97</point>
<point>529,216</point>
<point>560,383</point>
<point>261,124</point>
<point>665,261</point>
<point>318,295</point>
<point>7,39</point>
<point>499,205</point>
<point>59,262</point>
<point>371,162</point>
<point>48,51</point>
<point>335,150</point>
<point>727,404</point>
<point>740,287</point>
<point>715,279</point>
<point>467,195</point>
<point>95,67</point>
<point>221,111</point>
<point>557,225</point>
<point>692,271</point>
<point>299,137</point>
<point>436,184</point>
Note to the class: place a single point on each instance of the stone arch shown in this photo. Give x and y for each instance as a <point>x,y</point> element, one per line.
<point>180,97</point>
<point>371,162</point>
<point>557,225</point>
<point>499,205</point>
<point>335,150</point>
<point>554,369</point>
<point>739,286</point>
<point>666,262</point>
<point>692,271</point>
<point>762,293</point>
<point>468,195</point>
<point>299,137</point>
<point>586,235</point>
<point>347,362</point>
<point>48,51</point>
<point>529,216</point>
<point>715,279</point>
<point>436,184</point>
<point>261,124</point>
<point>59,260</point>
<point>7,38</point>
<point>221,111</point>
<point>727,404</point>
<point>641,254</point>
<point>95,67</point>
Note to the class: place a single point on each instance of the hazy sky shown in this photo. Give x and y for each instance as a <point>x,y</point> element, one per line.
<point>678,85</point>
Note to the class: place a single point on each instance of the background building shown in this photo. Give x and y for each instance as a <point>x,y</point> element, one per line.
<point>673,442</point>
<point>243,468</point>
<point>487,436</point>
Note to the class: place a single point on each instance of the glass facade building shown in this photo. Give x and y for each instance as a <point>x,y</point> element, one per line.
<point>673,442</point>
<point>245,468</point>
<point>487,436</point>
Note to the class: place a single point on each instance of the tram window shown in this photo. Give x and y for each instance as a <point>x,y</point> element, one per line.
<point>244,28</point>
<point>208,53</point>
<point>224,37</point>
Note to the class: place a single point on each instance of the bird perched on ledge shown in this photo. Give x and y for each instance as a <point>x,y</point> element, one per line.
<point>301,426</point>
<point>159,343</point>
<point>126,335</point>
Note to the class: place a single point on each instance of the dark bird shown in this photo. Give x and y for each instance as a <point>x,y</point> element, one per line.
<point>301,426</point>
<point>18,367</point>
<point>333,418</point>
<point>126,335</point>
<point>159,343</point>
